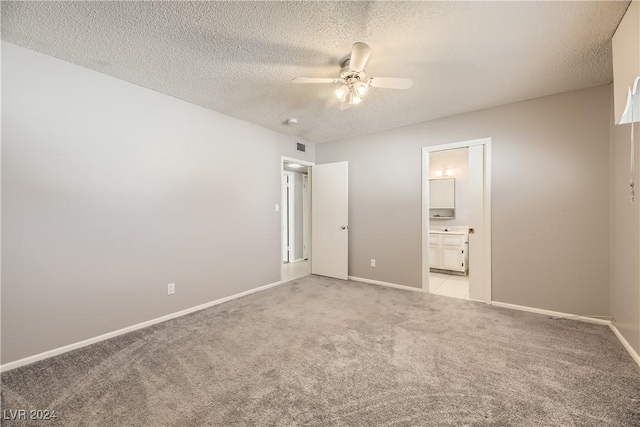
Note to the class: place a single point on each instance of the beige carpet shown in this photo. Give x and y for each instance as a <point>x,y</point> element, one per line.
<point>322,352</point>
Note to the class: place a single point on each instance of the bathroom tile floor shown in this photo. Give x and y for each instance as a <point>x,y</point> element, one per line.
<point>449,285</point>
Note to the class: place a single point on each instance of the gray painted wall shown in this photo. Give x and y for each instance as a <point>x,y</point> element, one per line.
<point>624,279</point>
<point>550,198</point>
<point>111,191</point>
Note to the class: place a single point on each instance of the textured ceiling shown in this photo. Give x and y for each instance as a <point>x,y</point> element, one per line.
<point>238,57</point>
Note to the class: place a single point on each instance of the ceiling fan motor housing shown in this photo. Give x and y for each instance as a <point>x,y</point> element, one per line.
<point>351,77</point>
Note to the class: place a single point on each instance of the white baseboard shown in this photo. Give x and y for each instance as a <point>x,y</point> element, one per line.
<point>552,313</point>
<point>60,350</point>
<point>391,285</point>
<point>626,344</point>
<point>47,354</point>
<point>587,319</point>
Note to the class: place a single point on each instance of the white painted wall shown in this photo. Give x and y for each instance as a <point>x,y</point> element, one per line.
<point>111,191</point>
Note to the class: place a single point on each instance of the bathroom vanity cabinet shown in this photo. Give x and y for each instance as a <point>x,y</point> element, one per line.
<point>448,250</point>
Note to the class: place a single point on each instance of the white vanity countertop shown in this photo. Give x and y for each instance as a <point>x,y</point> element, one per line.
<point>451,230</point>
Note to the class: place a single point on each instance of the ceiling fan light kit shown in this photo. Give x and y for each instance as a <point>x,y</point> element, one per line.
<point>342,92</point>
<point>354,81</point>
<point>361,88</point>
<point>352,93</point>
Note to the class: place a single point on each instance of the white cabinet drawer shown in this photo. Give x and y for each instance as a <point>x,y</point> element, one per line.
<point>434,239</point>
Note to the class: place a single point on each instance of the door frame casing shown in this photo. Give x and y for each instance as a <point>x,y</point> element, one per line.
<point>310,174</point>
<point>290,212</point>
<point>306,216</point>
<point>486,142</point>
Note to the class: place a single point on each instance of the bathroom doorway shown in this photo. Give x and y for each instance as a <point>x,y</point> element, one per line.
<point>456,220</point>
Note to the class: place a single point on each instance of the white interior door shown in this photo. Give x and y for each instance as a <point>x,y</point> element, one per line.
<point>476,222</point>
<point>286,207</point>
<point>330,213</point>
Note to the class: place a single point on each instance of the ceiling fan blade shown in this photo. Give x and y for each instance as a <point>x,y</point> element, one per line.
<point>345,105</point>
<point>390,82</point>
<point>359,56</point>
<point>315,80</point>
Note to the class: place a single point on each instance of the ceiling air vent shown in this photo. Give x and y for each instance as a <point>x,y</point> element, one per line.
<point>300,147</point>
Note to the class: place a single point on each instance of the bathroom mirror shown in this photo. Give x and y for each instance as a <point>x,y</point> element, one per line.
<point>442,198</point>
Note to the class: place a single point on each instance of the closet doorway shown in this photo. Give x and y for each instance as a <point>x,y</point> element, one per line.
<point>295,218</point>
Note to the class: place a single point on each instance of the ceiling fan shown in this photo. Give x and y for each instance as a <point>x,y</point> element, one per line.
<point>354,81</point>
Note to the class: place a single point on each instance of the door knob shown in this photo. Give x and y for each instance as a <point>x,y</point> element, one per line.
<point>345,227</point>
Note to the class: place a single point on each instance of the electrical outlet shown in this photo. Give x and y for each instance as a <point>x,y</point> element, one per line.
<point>171,289</point>
<point>373,263</point>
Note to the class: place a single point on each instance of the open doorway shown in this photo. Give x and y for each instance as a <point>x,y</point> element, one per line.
<point>456,219</point>
<point>295,218</point>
